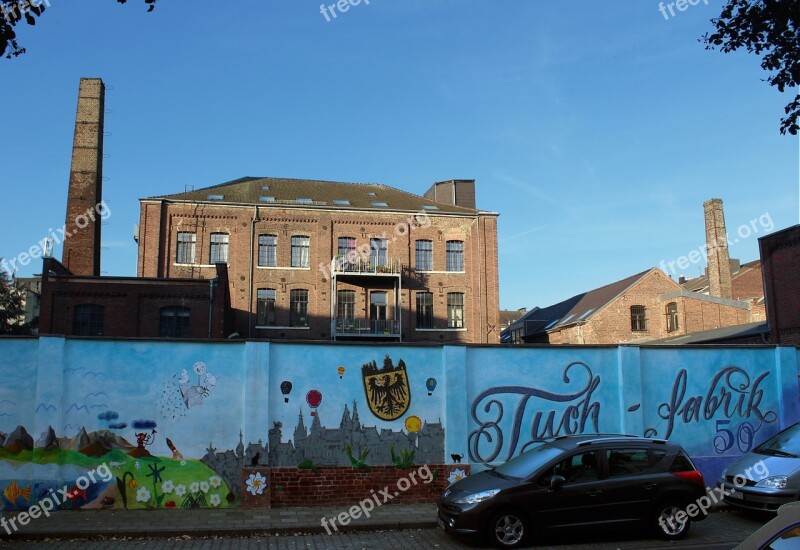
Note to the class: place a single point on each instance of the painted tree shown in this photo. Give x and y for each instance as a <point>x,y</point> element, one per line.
<point>11,308</point>
<point>770,29</point>
<point>14,12</point>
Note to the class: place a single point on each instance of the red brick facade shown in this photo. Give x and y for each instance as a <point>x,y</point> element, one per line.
<point>131,307</point>
<point>162,220</point>
<point>780,258</point>
<point>655,291</point>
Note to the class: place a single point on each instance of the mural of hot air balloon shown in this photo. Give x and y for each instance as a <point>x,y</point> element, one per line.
<point>313,398</point>
<point>431,385</point>
<point>286,388</point>
<point>341,371</point>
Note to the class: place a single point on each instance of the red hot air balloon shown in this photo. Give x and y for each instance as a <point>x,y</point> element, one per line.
<point>313,398</point>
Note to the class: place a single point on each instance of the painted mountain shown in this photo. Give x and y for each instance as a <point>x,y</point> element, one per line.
<point>17,441</point>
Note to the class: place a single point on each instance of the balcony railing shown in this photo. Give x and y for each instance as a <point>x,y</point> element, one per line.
<point>345,264</point>
<point>367,327</point>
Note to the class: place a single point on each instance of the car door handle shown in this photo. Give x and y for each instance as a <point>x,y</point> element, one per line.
<point>594,492</point>
<point>649,486</point>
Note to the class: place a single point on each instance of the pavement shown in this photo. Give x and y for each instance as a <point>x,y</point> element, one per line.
<point>390,526</point>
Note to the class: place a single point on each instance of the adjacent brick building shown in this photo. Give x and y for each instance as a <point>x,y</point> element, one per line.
<point>315,260</point>
<point>780,257</point>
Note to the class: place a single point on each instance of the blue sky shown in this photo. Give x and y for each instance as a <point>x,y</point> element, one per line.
<point>595,129</point>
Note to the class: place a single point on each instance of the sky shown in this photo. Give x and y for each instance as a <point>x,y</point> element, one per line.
<point>595,129</point>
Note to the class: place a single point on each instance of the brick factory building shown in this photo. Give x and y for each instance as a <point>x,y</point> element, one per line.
<point>319,260</point>
<point>780,258</point>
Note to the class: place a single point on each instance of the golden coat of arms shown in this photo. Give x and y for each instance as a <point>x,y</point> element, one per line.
<point>386,388</point>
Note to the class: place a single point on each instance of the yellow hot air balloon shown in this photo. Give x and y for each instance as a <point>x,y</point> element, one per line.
<point>341,371</point>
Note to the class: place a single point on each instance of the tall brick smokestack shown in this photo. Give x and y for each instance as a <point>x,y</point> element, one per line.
<point>719,265</point>
<point>82,248</point>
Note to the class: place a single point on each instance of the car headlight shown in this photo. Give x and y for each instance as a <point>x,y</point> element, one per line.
<point>478,497</point>
<point>774,482</point>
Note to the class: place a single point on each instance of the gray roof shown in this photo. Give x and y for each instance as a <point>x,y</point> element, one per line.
<point>577,309</point>
<point>314,193</point>
<point>710,336</point>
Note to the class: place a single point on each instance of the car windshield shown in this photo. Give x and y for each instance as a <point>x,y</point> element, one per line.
<point>786,443</point>
<point>526,464</point>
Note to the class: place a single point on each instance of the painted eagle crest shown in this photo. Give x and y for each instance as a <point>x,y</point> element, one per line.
<point>387,389</point>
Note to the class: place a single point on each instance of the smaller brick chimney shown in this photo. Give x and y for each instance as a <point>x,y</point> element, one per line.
<point>82,247</point>
<point>719,265</point>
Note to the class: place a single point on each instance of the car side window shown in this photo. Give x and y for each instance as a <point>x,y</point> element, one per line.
<point>578,468</point>
<point>627,462</point>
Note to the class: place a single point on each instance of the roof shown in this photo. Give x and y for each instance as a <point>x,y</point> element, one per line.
<point>314,193</point>
<point>748,330</point>
<point>578,309</point>
<point>508,316</point>
<point>700,284</point>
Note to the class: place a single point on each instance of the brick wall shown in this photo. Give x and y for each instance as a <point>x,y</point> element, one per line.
<point>780,258</point>
<point>160,222</point>
<point>344,486</point>
<point>748,283</point>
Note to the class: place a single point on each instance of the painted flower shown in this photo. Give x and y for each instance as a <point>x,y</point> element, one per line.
<point>143,495</point>
<point>199,368</point>
<point>456,474</point>
<point>169,504</point>
<point>168,486</point>
<point>215,500</point>
<point>132,483</point>
<point>256,484</point>
<point>204,486</point>
<point>137,465</point>
<point>180,490</point>
<point>215,481</point>
<point>183,463</point>
<point>194,487</point>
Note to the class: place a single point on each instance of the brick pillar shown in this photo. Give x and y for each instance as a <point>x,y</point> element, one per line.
<point>82,247</point>
<point>719,265</point>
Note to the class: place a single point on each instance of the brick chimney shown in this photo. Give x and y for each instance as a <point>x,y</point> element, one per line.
<point>719,266</point>
<point>455,192</point>
<point>82,248</point>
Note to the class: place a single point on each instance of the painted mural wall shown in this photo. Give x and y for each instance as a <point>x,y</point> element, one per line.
<point>158,425</point>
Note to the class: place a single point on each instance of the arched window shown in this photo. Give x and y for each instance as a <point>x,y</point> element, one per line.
<point>672,317</point>
<point>174,322</point>
<point>638,318</point>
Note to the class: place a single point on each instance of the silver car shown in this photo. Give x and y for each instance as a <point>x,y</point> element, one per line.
<point>768,476</point>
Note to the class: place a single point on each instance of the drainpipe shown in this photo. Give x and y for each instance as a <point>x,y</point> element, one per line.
<point>250,293</point>
<point>480,271</point>
<point>211,284</point>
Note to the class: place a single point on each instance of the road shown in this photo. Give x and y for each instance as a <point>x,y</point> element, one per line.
<point>721,531</point>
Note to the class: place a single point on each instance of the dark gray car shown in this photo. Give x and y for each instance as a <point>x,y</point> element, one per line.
<point>577,482</point>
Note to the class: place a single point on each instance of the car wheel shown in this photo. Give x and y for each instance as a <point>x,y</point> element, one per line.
<point>665,524</point>
<point>508,529</point>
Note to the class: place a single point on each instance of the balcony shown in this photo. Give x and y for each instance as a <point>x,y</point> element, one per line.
<point>346,265</point>
<point>385,328</point>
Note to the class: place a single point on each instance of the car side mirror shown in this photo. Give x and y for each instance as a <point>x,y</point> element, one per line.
<point>556,482</point>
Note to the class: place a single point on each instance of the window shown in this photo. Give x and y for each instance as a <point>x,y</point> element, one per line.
<point>672,317</point>
<point>627,462</point>
<point>186,243</point>
<point>424,309</point>
<point>380,204</point>
<point>341,202</point>
<point>305,201</point>
<point>455,310</point>
<point>88,320</point>
<point>267,250</point>
<point>265,307</point>
<point>346,304</point>
<point>377,306</point>
<point>219,248</point>
<point>455,255</point>
<point>638,318</point>
<point>377,253</point>
<point>300,249</point>
<point>298,308</point>
<point>216,197</point>
<point>174,322</point>
<point>430,207</point>
<point>347,245</point>
<point>266,199</point>
<point>579,468</point>
<point>424,255</point>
